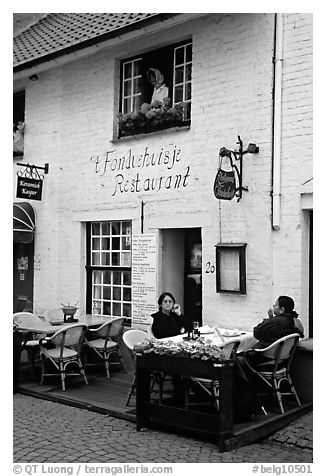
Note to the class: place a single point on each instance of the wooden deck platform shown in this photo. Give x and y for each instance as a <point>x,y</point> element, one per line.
<point>109,397</point>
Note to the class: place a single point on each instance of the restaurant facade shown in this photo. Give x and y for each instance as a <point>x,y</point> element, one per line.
<point>207,195</point>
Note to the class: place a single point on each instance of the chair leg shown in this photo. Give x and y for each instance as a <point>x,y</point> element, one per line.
<point>276,388</point>
<point>82,371</point>
<point>293,391</point>
<point>62,375</point>
<point>215,394</point>
<point>42,371</point>
<point>131,390</point>
<point>107,365</point>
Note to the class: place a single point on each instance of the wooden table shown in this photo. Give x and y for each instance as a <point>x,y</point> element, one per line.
<point>218,426</point>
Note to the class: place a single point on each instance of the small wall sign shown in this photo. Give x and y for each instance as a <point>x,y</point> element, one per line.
<point>29,188</point>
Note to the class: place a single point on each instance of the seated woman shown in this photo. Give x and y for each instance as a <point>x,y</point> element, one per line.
<point>168,321</point>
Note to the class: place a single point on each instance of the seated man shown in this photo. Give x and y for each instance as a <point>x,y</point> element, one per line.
<point>282,321</point>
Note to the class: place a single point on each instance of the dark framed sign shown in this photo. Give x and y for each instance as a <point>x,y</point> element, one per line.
<point>29,188</point>
<point>231,268</point>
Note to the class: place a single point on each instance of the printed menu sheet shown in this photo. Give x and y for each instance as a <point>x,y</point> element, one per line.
<point>144,272</point>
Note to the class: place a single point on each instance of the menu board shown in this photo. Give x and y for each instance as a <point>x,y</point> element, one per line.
<point>144,272</point>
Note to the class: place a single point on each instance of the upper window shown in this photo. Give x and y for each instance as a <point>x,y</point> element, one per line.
<point>156,90</point>
<point>18,123</point>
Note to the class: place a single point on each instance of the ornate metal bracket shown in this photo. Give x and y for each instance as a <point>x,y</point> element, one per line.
<point>235,155</point>
<point>31,171</point>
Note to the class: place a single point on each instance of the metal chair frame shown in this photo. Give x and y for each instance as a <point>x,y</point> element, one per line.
<point>30,341</point>
<point>279,356</point>
<point>64,339</point>
<point>106,332</point>
<point>211,387</point>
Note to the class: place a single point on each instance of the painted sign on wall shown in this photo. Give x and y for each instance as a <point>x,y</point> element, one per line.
<point>144,272</point>
<point>136,172</point>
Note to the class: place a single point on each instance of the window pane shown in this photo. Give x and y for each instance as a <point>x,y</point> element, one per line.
<point>116,293</point>
<point>127,105</point>
<point>179,55</point>
<point>105,228</point>
<point>115,228</point>
<point>127,69</point>
<point>136,103</point>
<point>95,259</point>
<point>97,277</point>
<point>97,292</point>
<point>137,67</point>
<point>125,259</point>
<point>105,243</point>
<point>107,277</point>
<point>126,294</point>
<point>115,259</point>
<point>95,228</point>
<point>188,92</point>
<point>126,228</point>
<point>107,308</point>
<point>126,243</point>
<point>126,277</point>
<point>107,292</point>
<point>96,307</point>
<point>137,85</point>
<point>127,310</point>
<point>105,259</point>
<point>116,309</point>
<point>127,88</point>
<point>188,72</point>
<point>179,74</point>
<point>116,277</point>
<point>95,243</point>
<point>178,94</point>
<point>116,243</point>
<point>189,52</point>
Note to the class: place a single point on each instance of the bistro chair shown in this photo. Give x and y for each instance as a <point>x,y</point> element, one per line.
<point>130,339</point>
<point>105,340</point>
<point>210,387</point>
<point>30,341</point>
<point>275,368</point>
<point>63,349</point>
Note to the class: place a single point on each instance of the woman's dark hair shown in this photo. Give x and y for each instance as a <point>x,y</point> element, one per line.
<point>160,299</point>
<point>286,302</point>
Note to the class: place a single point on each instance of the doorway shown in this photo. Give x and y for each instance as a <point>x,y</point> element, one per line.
<point>182,270</point>
<point>23,276</point>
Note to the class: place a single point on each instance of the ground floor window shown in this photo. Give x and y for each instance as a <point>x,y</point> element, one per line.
<point>108,268</point>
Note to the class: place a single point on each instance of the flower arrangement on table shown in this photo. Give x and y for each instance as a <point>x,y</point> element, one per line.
<point>151,117</point>
<point>199,349</point>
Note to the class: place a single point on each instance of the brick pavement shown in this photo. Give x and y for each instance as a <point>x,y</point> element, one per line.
<point>48,432</point>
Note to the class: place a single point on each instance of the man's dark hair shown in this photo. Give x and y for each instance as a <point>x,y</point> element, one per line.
<point>286,302</point>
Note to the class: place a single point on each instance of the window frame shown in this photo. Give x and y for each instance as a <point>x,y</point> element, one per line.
<point>240,250</point>
<point>168,64</point>
<point>91,268</point>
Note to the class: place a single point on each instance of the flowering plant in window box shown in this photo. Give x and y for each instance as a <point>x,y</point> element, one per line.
<point>151,117</point>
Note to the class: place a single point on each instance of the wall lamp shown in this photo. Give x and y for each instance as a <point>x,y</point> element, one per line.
<point>236,155</point>
<point>33,77</point>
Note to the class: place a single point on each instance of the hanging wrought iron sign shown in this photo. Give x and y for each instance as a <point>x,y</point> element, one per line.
<point>228,183</point>
<point>30,182</point>
<point>224,184</point>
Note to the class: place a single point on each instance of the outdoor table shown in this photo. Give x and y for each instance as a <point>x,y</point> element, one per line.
<point>246,338</point>
<point>45,327</point>
<point>218,425</point>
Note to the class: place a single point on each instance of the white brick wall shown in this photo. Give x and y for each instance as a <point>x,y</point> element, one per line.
<point>70,112</point>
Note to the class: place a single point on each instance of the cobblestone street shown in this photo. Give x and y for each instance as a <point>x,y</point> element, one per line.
<point>47,432</point>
